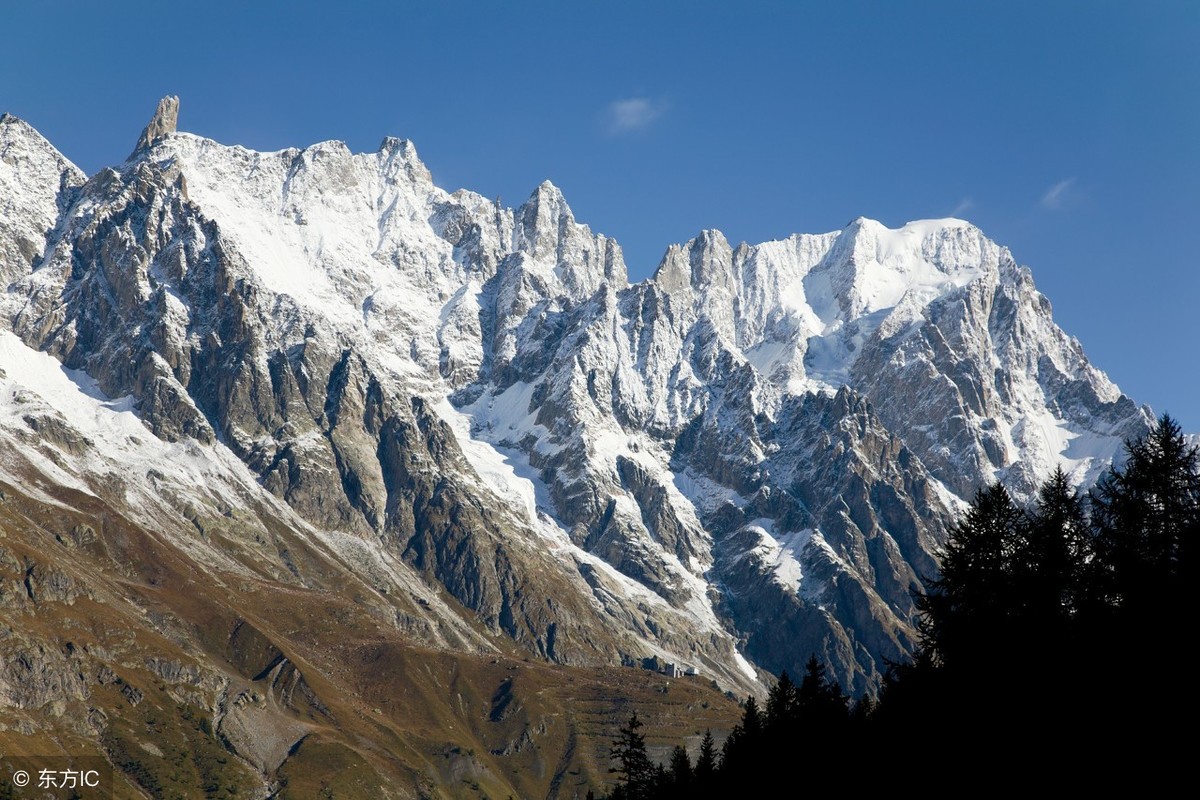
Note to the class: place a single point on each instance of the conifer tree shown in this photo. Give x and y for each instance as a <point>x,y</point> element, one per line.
<point>1146,515</point>
<point>743,747</point>
<point>1049,568</point>
<point>781,705</point>
<point>752,722</point>
<point>706,761</point>
<point>729,750</point>
<point>660,783</point>
<point>635,773</point>
<point>974,593</point>
<point>681,770</point>
<point>862,710</point>
<point>819,700</point>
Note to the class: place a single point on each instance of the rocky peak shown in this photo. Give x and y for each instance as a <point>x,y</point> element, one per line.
<point>164,121</point>
<point>13,129</point>
<point>16,133</point>
<point>400,155</point>
<point>9,121</point>
<point>703,264</point>
<point>36,184</point>
<point>546,233</point>
<point>539,221</point>
<point>711,261</point>
<point>672,274</point>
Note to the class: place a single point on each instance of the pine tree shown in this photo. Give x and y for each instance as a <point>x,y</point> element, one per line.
<point>743,748</point>
<point>1051,561</point>
<point>968,611</point>
<point>781,705</point>
<point>635,773</point>
<point>751,720</point>
<point>1031,607</point>
<point>1147,514</point>
<point>681,770</point>
<point>819,700</point>
<point>1146,520</point>
<point>706,762</point>
<point>730,752</point>
<point>660,783</point>
<point>862,710</point>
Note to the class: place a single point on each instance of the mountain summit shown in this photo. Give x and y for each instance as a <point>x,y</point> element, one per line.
<point>164,121</point>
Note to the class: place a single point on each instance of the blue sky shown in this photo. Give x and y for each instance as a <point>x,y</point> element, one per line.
<point>1069,132</point>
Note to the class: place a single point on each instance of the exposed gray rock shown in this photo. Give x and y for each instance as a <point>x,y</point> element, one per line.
<point>258,732</point>
<point>36,676</point>
<point>164,121</point>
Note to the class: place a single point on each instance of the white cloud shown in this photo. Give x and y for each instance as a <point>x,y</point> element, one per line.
<point>1057,194</point>
<point>964,205</point>
<point>632,114</point>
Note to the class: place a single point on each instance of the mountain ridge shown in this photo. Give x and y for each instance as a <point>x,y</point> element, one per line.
<point>749,456</point>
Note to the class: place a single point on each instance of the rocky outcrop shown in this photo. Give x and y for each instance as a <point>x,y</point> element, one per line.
<point>164,121</point>
<point>37,184</point>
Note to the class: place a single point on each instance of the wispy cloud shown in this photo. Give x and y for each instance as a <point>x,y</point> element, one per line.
<point>964,205</point>
<point>1058,194</point>
<point>633,114</point>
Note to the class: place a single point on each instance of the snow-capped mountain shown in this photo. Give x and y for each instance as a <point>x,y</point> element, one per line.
<point>746,459</point>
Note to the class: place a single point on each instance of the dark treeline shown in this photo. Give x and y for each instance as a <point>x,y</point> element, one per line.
<point>1056,642</point>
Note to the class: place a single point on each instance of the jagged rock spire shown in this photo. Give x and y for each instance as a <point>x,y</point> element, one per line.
<point>165,118</point>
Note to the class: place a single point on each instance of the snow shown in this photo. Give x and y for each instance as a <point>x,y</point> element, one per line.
<point>341,236</point>
<point>36,381</point>
<point>341,239</point>
<point>506,472</point>
<point>118,447</point>
<point>781,554</point>
<point>32,176</point>
<point>863,280</point>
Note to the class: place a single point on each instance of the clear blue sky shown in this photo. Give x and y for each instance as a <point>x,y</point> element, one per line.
<point>1068,131</point>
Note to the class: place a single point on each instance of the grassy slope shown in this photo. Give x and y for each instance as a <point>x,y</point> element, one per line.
<point>163,666</point>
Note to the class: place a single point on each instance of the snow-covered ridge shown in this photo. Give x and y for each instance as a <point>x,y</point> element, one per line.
<point>342,209</point>
<point>32,175</point>
<point>368,242</point>
<point>758,443</point>
<point>363,238</point>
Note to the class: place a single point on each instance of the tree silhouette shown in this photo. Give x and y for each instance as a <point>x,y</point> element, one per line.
<point>743,749</point>
<point>781,706</point>
<point>635,773</point>
<point>1054,630</point>
<point>821,706</point>
<point>1049,568</point>
<point>751,720</point>
<point>1146,515</point>
<point>974,592</point>
<point>680,771</point>
<point>706,761</point>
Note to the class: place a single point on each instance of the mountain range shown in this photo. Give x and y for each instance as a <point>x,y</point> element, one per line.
<point>269,419</point>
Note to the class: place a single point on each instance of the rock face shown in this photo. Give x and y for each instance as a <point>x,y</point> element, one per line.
<point>164,121</point>
<point>36,185</point>
<point>746,459</point>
